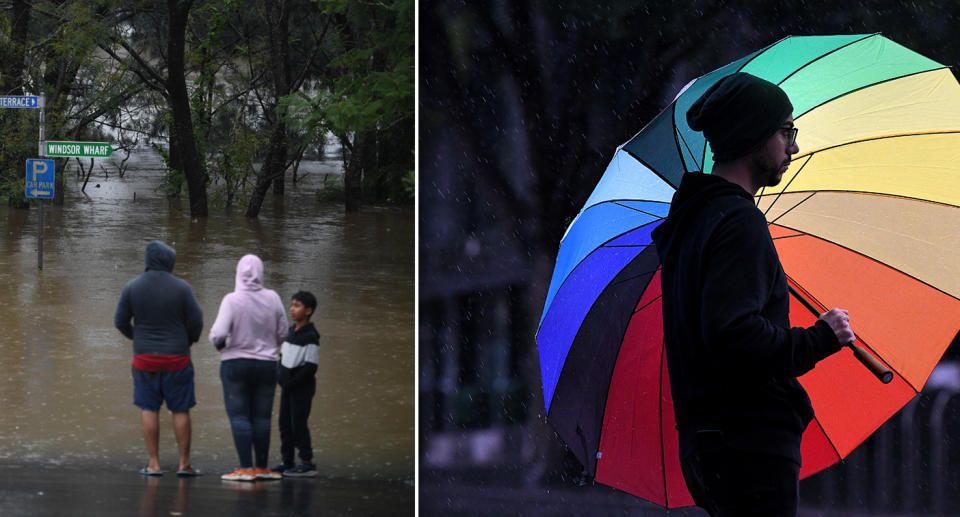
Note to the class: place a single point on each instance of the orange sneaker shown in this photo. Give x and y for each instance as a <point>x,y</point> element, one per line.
<point>261,473</point>
<point>240,475</point>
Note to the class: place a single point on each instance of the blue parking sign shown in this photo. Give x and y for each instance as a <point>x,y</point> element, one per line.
<point>40,178</point>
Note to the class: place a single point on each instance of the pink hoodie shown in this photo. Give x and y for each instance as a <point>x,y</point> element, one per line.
<point>252,320</point>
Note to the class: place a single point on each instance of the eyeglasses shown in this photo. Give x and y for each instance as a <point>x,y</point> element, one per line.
<point>791,133</point>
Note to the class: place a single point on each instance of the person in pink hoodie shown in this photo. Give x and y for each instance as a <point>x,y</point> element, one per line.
<point>250,325</point>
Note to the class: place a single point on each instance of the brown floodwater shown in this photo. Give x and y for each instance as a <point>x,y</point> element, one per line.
<point>65,386</point>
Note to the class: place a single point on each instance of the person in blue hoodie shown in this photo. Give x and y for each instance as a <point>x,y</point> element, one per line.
<point>167,320</point>
<point>732,356</point>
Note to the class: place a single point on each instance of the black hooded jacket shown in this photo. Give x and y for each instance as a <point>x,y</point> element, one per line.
<point>731,354</point>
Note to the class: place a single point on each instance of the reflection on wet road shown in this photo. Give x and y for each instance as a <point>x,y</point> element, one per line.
<point>81,492</point>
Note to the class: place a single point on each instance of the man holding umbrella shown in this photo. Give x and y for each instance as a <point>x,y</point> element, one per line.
<point>732,357</point>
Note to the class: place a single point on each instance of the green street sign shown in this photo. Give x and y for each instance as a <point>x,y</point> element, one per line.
<point>79,149</point>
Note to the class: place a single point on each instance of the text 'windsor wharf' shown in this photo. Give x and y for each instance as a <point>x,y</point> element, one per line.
<point>79,149</point>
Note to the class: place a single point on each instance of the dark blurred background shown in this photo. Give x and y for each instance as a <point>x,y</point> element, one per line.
<point>521,106</point>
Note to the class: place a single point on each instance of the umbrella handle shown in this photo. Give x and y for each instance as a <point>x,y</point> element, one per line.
<point>872,363</point>
<point>875,366</point>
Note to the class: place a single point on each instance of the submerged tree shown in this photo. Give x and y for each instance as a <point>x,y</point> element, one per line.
<point>286,70</point>
<point>365,97</point>
<point>151,42</point>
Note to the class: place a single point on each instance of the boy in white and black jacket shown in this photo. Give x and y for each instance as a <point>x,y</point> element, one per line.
<point>299,355</point>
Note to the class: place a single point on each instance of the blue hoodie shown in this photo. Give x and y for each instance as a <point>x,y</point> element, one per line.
<point>166,316</point>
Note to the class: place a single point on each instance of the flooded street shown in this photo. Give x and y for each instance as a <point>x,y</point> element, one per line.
<point>65,385</point>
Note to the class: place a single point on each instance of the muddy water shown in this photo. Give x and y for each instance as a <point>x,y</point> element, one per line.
<point>65,386</point>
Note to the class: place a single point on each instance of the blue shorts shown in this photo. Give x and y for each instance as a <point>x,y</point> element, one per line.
<point>150,389</point>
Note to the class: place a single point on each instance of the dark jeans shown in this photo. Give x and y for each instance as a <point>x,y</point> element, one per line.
<point>727,482</point>
<point>294,410</point>
<point>248,388</point>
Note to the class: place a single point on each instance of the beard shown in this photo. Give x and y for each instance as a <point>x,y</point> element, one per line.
<point>774,179</point>
<point>770,170</point>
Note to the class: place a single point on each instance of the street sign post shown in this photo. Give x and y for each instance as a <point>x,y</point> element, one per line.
<point>40,173</point>
<point>40,184</point>
<point>78,149</point>
<point>40,178</point>
<point>19,101</point>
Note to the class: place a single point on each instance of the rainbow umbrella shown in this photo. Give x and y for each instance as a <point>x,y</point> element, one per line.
<point>866,219</point>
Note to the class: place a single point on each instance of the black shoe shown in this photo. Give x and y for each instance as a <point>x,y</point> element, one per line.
<point>302,470</point>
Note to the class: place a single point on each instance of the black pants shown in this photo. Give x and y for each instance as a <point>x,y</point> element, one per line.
<point>727,482</point>
<point>294,410</point>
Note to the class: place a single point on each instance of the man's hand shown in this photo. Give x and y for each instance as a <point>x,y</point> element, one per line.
<point>839,321</point>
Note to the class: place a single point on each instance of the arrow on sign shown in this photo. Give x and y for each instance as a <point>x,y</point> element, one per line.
<point>37,193</point>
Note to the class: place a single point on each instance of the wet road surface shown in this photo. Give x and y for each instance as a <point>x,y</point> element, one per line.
<point>29,490</point>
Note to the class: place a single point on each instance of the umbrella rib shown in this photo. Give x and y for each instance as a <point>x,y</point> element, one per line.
<point>649,167</point>
<point>868,193</point>
<point>645,273</point>
<point>809,296</point>
<point>789,236</point>
<point>864,87</point>
<point>663,451</point>
<point>648,304</point>
<point>763,51</point>
<point>678,139</point>
<point>802,201</point>
<point>829,440</point>
<point>658,216</point>
<point>785,187</point>
<point>883,137</point>
<point>693,156</point>
<point>618,203</point>
<point>821,56</point>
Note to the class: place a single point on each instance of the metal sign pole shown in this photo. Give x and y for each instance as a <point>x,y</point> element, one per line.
<point>42,102</point>
<point>40,239</point>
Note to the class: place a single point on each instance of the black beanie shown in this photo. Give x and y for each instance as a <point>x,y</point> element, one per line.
<point>738,113</point>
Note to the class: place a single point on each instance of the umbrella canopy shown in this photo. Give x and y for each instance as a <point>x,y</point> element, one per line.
<point>864,219</point>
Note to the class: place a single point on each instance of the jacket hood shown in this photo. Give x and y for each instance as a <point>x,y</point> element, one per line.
<point>249,274</point>
<point>696,189</point>
<point>160,257</point>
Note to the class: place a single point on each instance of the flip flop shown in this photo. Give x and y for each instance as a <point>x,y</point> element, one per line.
<point>189,472</point>
<point>146,472</point>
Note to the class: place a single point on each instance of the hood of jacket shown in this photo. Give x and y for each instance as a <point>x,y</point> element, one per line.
<point>159,257</point>
<point>695,191</point>
<point>249,274</point>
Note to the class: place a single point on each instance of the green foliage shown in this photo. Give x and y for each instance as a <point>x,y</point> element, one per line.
<point>172,182</point>
<point>207,61</point>
<point>410,185</point>
<point>332,190</point>
<point>369,91</point>
<point>18,142</point>
<point>231,169</point>
<point>373,84</point>
<point>374,87</point>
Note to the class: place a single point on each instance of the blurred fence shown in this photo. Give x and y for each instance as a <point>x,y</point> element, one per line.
<point>910,466</point>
